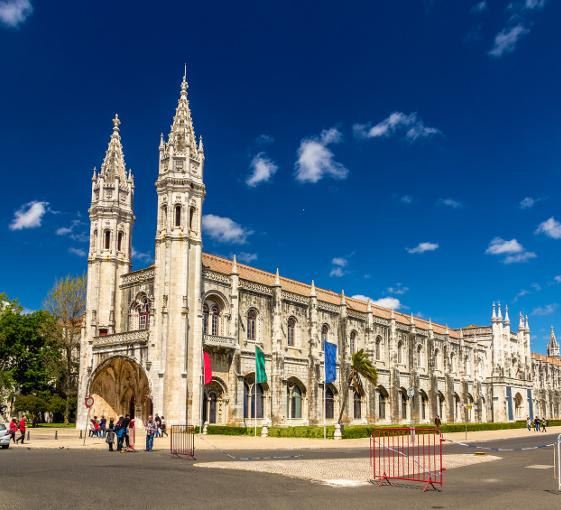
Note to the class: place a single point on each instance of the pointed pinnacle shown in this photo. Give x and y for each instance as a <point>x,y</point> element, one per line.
<point>277,278</point>
<point>343,300</point>
<point>234,265</point>
<point>313,289</point>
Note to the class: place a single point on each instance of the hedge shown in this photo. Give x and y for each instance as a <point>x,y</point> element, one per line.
<point>360,431</point>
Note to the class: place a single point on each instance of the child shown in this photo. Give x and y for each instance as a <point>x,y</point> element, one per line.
<point>110,437</point>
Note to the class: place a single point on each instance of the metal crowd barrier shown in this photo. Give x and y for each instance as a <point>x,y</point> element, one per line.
<point>408,453</point>
<point>182,440</point>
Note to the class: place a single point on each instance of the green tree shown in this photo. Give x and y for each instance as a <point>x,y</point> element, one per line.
<point>360,366</point>
<point>66,302</point>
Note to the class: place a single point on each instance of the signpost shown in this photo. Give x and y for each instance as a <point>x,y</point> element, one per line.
<point>89,402</point>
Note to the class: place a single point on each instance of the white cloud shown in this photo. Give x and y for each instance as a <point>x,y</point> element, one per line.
<point>557,279</point>
<point>339,265</point>
<point>550,227</point>
<point>514,252</point>
<point>534,4</point>
<point>77,251</point>
<point>399,289</point>
<point>507,39</point>
<point>264,139</point>
<point>73,231</point>
<point>362,297</point>
<point>224,230</point>
<point>262,170</point>
<point>499,246</point>
<point>450,202</point>
<point>246,257</point>
<point>389,302</point>
<point>143,256</point>
<point>527,202</point>
<point>479,7</point>
<point>316,160</point>
<point>410,125</point>
<point>423,247</point>
<point>406,199</point>
<point>14,12</point>
<point>29,215</point>
<point>545,310</point>
<point>519,257</point>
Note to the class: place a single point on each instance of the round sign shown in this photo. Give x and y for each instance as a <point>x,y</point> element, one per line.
<point>411,392</point>
<point>89,402</point>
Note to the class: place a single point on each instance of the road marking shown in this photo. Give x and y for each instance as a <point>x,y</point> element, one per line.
<point>539,466</point>
<point>344,483</point>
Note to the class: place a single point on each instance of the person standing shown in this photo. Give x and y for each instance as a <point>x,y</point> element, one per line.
<point>103,426</point>
<point>150,431</point>
<point>528,423</point>
<point>120,432</point>
<point>13,429</point>
<point>126,423</point>
<point>110,436</point>
<point>544,425</point>
<point>158,422</point>
<point>21,430</point>
<point>437,422</point>
<point>536,424</point>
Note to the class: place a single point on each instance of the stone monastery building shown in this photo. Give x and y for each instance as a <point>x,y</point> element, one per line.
<point>145,331</point>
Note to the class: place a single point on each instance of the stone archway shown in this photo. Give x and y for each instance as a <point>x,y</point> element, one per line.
<point>120,386</point>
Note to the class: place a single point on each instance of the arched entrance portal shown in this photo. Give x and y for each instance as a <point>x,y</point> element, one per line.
<point>119,386</point>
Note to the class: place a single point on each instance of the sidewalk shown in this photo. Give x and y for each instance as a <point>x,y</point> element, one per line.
<point>69,438</point>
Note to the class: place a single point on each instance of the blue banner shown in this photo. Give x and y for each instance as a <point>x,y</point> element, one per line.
<point>509,403</point>
<point>530,404</point>
<point>330,360</point>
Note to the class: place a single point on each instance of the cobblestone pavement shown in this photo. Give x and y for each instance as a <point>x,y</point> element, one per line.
<point>332,471</point>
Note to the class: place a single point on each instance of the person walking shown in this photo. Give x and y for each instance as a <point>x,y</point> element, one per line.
<point>158,422</point>
<point>21,428</point>
<point>120,432</point>
<point>544,425</point>
<point>150,431</point>
<point>529,423</point>
<point>437,422</point>
<point>126,423</point>
<point>536,424</point>
<point>103,426</point>
<point>110,436</point>
<point>13,429</point>
<point>164,426</point>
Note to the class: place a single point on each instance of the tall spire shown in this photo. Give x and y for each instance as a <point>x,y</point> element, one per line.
<point>507,318</point>
<point>494,315</point>
<point>552,346</point>
<point>521,322</point>
<point>182,133</point>
<point>114,161</point>
<point>313,289</point>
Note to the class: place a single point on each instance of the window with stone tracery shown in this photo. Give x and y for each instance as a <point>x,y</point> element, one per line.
<point>400,352</point>
<point>251,324</point>
<point>379,348</point>
<point>177,215</point>
<point>352,342</point>
<point>291,331</point>
<point>140,313</point>
<point>107,239</point>
<point>324,332</point>
<point>120,241</point>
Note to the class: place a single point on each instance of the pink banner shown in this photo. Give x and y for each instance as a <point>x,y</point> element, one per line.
<point>208,369</point>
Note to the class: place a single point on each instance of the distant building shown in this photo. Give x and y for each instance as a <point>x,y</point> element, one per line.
<point>144,331</point>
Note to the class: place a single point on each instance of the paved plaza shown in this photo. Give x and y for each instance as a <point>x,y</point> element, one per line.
<point>245,472</point>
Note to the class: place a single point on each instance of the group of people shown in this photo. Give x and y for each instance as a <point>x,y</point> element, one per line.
<point>16,426</point>
<point>155,427</point>
<point>537,424</point>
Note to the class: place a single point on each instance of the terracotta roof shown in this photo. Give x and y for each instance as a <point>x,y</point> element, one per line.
<point>547,359</point>
<point>224,266</point>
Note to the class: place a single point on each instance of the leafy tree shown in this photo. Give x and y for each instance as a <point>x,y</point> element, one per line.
<point>360,366</point>
<point>66,302</point>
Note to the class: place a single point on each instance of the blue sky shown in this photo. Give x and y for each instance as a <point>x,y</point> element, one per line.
<point>408,150</point>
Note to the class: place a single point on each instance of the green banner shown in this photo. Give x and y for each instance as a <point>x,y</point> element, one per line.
<point>260,374</point>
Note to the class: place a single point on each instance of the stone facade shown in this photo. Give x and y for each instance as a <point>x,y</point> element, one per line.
<point>145,331</point>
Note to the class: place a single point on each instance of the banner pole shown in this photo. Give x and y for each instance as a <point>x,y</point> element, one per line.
<point>324,390</point>
<point>202,392</point>
<point>255,409</point>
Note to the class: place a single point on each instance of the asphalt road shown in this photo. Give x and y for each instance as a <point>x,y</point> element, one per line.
<point>92,479</point>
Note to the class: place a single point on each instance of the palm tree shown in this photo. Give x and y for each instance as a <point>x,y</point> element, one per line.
<point>360,366</point>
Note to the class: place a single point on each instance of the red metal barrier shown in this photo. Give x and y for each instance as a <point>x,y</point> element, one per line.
<point>408,453</point>
<point>182,440</point>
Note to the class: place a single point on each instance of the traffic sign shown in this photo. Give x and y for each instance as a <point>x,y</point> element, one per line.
<point>89,401</point>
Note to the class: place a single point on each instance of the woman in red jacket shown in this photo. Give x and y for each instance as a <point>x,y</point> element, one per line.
<point>13,429</point>
<point>22,431</point>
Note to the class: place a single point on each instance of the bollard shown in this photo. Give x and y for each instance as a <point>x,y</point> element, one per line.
<point>56,434</point>
<point>337,433</point>
<point>265,430</point>
<point>205,428</point>
<point>80,434</point>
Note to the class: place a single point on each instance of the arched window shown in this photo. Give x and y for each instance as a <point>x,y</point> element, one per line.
<point>215,320</point>
<point>440,405</point>
<point>294,402</point>
<point>177,215</point>
<point>291,331</point>
<point>164,216</point>
<point>329,403</point>
<point>251,324</point>
<point>419,356</point>
<point>352,342</point>
<point>424,403</point>
<point>382,400</point>
<point>252,408</point>
<point>107,239</point>
<point>379,348</point>
<point>457,408</point>
<point>324,332</point>
<point>452,363</point>
<point>404,400</point>
<point>400,352</point>
<point>192,218</point>
<point>120,241</point>
<point>205,318</point>
<point>357,408</point>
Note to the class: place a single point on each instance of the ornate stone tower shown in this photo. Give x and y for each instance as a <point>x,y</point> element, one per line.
<point>111,221</point>
<point>552,346</point>
<point>177,340</point>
